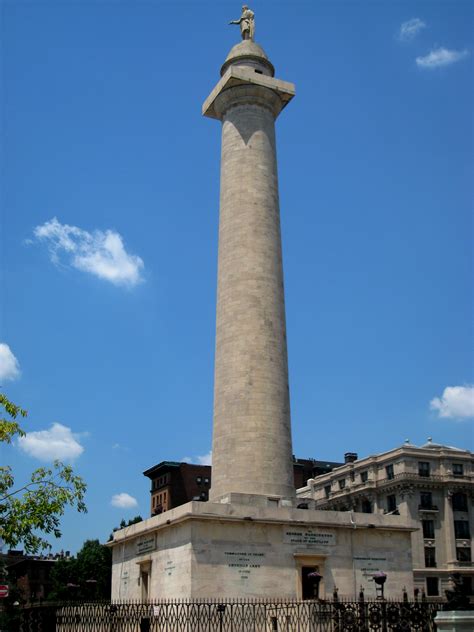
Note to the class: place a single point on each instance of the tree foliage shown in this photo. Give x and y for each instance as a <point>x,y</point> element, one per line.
<point>86,576</point>
<point>30,511</point>
<point>124,524</point>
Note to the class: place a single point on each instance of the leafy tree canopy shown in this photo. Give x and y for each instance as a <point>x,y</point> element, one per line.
<point>30,511</point>
<point>86,576</point>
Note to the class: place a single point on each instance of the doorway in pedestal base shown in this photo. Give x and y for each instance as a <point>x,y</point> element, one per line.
<point>145,579</point>
<point>308,587</point>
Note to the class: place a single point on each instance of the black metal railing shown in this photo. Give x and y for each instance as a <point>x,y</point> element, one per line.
<point>232,616</point>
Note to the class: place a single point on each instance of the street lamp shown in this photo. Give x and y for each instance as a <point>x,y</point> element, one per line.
<point>316,578</point>
<point>379,578</point>
<point>91,588</point>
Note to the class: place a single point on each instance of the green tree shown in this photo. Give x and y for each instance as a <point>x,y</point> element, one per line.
<point>124,524</point>
<point>86,576</point>
<point>32,510</point>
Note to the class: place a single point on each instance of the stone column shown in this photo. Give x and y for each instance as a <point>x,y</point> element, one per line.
<point>252,451</point>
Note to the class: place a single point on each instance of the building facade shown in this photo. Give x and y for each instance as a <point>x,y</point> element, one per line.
<point>432,484</point>
<point>30,573</point>
<point>174,484</point>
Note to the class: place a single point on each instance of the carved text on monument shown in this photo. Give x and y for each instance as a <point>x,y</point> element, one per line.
<point>146,545</point>
<point>309,537</point>
<point>244,562</point>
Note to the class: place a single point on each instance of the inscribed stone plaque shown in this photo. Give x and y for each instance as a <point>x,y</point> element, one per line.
<point>365,567</point>
<point>146,544</point>
<point>309,537</point>
<point>244,563</point>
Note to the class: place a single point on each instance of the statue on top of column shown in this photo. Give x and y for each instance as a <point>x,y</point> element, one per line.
<point>247,23</point>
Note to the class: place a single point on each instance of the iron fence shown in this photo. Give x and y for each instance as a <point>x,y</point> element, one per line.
<point>232,616</point>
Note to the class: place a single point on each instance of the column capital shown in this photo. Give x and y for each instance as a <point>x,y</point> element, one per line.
<point>247,79</point>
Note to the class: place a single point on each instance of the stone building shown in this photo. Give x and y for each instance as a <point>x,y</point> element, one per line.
<point>432,484</point>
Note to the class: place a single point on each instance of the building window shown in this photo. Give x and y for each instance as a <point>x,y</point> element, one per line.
<point>430,557</point>
<point>461,529</point>
<point>327,491</point>
<point>458,469</point>
<point>366,506</point>
<point>463,554</point>
<point>459,502</point>
<point>342,483</point>
<point>467,584</point>
<point>391,503</point>
<point>432,587</point>
<point>423,469</point>
<point>364,476</point>
<point>389,471</point>
<point>428,529</point>
<point>426,500</point>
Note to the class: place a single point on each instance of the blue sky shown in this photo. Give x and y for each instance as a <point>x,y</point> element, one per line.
<point>108,312</point>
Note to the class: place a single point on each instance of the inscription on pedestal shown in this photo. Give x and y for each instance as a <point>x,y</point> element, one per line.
<point>145,545</point>
<point>309,537</point>
<point>365,567</point>
<point>244,562</point>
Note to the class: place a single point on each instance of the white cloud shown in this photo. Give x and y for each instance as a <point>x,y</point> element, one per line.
<point>59,442</point>
<point>441,57</point>
<point>456,401</point>
<point>410,28</point>
<point>205,459</point>
<point>9,367</point>
<point>123,501</point>
<point>100,253</point>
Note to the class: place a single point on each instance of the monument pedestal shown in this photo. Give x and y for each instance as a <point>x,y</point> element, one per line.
<point>225,550</point>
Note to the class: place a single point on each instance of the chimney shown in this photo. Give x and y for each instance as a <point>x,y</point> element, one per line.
<point>350,457</point>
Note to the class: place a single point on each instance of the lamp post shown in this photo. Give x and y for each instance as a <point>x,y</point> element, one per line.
<point>379,578</point>
<point>316,578</point>
<point>91,588</point>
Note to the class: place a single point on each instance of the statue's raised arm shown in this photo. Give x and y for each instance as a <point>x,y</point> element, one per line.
<point>247,23</point>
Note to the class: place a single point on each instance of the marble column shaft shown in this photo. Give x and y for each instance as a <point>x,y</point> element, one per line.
<point>252,451</point>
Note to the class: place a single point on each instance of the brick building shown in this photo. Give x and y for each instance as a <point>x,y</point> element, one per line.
<point>30,573</point>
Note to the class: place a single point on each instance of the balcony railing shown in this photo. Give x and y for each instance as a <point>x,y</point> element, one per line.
<point>352,486</point>
<point>426,507</point>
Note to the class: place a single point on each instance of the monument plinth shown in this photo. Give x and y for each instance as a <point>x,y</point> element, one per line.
<point>252,451</point>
